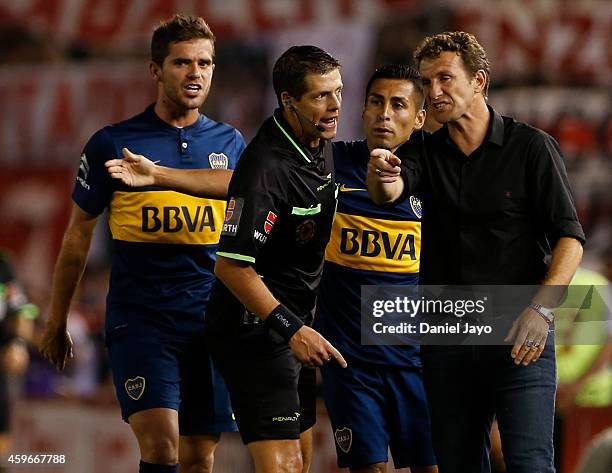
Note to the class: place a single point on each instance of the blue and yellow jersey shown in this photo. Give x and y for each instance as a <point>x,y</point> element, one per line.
<point>369,245</point>
<point>164,242</point>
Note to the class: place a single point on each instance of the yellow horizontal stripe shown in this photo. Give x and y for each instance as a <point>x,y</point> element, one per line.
<point>375,244</point>
<point>166,217</point>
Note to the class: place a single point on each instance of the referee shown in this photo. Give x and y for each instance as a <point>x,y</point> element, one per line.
<point>269,261</point>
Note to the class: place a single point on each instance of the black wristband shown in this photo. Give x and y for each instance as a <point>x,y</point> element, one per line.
<point>284,322</point>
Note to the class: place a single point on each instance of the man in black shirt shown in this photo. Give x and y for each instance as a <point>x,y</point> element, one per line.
<point>269,262</point>
<point>497,209</point>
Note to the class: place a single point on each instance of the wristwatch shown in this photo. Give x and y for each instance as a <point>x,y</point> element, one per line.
<point>546,313</point>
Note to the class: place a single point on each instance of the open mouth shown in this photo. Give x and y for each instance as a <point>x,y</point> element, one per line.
<point>440,105</point>
<point>329,123</point>
<point>193,89</point>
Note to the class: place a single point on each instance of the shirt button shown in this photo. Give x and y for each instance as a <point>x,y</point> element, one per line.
<point>184,145</point>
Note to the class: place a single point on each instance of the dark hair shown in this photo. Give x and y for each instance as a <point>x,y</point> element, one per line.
<point>464,44</point>
<point>294,64</point>
<point>178,28</point>
<point>399,72</point>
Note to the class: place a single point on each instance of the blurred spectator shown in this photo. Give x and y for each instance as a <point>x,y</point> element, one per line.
<point>598,456</point>
<point>584,351</point>
<point>21,45</point>
<point>16,327</point>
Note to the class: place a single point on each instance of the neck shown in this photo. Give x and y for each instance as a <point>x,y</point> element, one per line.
<point>300,129</point>
<point>175,116</point>
<point>469,132</point>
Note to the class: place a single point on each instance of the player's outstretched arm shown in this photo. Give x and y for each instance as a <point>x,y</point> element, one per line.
<point>309,346</point>
<point>55,344</point>
<point>385,184</point>
<point>135,170</point>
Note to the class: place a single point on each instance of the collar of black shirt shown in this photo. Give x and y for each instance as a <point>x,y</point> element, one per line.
<point>315,155</point>
<point>495,133</point>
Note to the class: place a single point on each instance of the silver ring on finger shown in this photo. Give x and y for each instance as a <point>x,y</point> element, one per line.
<point>529,343</point>
<point>378,171</point>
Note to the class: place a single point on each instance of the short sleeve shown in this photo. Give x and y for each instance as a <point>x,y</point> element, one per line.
<point>253,211</point>
<point>93,187</point>
<point>239,146</point>
<point>554,202</point>
<point>412,154</point>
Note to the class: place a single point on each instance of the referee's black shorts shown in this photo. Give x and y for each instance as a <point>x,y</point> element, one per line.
<point>273,396</point>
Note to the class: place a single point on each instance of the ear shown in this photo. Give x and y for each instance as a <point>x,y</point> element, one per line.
<point>155,70</point>
<point>419,120</point>
<point>479,81</point>
<point>286,99</point>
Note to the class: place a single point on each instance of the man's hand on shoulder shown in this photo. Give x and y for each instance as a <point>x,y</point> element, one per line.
<point>134,170</point>
<point>313,349</point>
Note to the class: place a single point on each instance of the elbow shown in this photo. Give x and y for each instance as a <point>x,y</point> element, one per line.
<point>220,266</point>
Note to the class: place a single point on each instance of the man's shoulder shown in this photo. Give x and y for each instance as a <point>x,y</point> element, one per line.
<point>525,131</point>
<point>219,128</point>
<point>349,147</point>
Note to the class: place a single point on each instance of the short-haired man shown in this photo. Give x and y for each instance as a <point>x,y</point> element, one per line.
<point>496,207</point>
<point>378,401</point>
<point>269,262</point>
<point>164,247</point>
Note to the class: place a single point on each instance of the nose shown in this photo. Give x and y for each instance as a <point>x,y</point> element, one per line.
<point>433,89</point>
<point>335,102</point>
<point>385,111</point>
<point>194,70</point>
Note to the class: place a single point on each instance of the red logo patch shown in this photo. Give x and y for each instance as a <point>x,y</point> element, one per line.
<point>270,221</point>
<point>231,205</point>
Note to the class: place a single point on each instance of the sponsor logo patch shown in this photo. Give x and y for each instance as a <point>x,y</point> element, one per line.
<point>305,231</point>
<point>218,160</point>
<point>415,205</point>
<point>343,188</point>
<point>232,216</point>
<point>293,418</point>
<point>134,387</point>
<point>270,221</point>
<point>344,438</point>
<point>83,172</point>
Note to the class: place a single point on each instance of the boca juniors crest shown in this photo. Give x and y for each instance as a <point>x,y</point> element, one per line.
<point>218,160</point>
<point>344,438</point>
<point>134,387</point>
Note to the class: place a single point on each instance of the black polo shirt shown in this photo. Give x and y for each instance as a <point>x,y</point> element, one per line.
<point>491,217</point>
<point>279,216</point>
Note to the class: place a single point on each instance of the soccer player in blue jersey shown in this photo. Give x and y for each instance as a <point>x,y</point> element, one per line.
<point>391,411</point>
<point>163,257</point>
<point>378,402</point>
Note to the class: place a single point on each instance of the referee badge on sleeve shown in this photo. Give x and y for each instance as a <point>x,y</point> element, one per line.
<point>232,216</point>
<point>344,438</point>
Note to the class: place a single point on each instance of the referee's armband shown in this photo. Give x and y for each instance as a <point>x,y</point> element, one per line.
<point>284,322</point>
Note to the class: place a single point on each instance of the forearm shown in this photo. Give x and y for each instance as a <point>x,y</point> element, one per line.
<point>566,257</point>
<point>212,183</point>
<point>242,280</point>
<point>383,192</point>
<point>68,271</point>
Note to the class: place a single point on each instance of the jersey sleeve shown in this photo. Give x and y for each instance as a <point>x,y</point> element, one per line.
<point>553,199</point>
<point>412,154</point>
<point>93,187</point>
<point>253,211</point>
<point>239,146</point>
